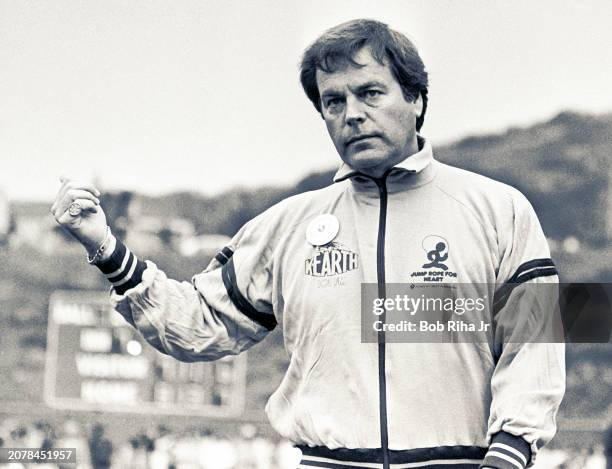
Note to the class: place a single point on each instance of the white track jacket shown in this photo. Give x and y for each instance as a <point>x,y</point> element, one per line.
<point>417,404</point>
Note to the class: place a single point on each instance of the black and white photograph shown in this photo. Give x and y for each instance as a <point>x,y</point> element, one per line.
<point>293,235</point>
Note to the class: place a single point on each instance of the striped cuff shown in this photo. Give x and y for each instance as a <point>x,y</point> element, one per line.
<point>123,269</point>
<point>507,451</point>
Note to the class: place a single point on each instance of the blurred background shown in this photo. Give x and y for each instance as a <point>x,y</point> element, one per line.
<point>190,118</point>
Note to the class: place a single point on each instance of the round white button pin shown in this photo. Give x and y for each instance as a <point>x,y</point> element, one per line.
<point>322,229</point>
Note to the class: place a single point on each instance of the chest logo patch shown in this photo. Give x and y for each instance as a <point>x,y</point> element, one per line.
<point>436,248</point>
<point>332,259</point>
<point>436,267</point>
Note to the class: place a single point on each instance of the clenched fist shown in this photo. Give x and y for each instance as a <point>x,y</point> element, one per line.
<point>77,209</point>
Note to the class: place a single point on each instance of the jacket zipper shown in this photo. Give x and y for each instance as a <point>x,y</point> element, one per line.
<point>380,272</point>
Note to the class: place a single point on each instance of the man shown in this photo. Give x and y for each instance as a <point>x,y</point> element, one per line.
<point>346,403</point>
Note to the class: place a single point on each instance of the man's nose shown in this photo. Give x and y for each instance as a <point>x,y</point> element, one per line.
<point>355,114</point>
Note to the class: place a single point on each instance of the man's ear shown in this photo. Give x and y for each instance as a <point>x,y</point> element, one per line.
<point>418,102</point>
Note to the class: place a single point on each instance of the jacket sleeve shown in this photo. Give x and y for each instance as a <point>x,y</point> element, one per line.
<point>223,310</point>
<point>528,382</point>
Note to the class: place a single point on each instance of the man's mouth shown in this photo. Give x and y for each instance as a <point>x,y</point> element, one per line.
<point>359,138</point>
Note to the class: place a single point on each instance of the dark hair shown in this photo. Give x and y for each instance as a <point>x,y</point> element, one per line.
<point>336,48</point>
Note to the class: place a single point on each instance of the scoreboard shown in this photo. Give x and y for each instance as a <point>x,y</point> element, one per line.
<point>97,362</point>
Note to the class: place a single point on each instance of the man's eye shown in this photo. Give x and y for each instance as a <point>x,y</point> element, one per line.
<point>333,102</point>
<point>370,94</point>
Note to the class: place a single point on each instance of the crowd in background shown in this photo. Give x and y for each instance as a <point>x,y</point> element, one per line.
<point>203,449</point>
<point>159,449</point>
<point>587,458</point>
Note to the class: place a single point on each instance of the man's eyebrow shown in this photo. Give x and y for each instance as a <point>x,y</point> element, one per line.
<point>372,84</point>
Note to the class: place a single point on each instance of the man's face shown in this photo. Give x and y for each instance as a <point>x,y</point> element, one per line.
<point>372,125</point>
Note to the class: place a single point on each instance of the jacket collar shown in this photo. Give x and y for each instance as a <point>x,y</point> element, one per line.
<point>413,164</point>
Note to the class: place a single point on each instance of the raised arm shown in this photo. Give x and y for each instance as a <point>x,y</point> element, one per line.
<point>224,310</point>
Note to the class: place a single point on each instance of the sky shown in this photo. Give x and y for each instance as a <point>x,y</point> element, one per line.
<point>159,95</point>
